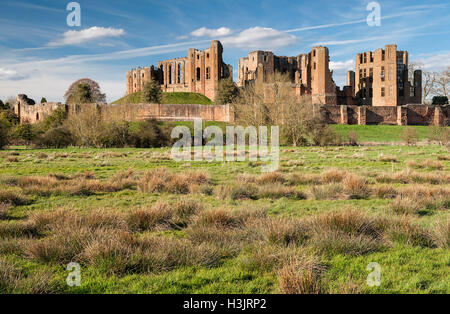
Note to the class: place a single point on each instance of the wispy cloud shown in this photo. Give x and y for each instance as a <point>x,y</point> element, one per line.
<point>212,33</point>
<point>387,17</point>
<point>260,38</point>
<point>74,37</point>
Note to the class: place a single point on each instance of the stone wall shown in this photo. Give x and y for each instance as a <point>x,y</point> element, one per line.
<point>171,112</point>
<point>388,115</point>
<point>28,111</point>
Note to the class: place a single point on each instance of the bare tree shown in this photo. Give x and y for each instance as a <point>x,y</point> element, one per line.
<point>429,86</point>
<point>274,102</point>
<point>443,83</point>
<point>86,125</point>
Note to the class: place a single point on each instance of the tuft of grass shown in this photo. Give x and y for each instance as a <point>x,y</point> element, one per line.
<point>161,180</point>
<point>333,176</point>
<point>355,186</point>
<point>13,197</point>
<point>387,158</point>
<point>326,192</point>
<point>301,275</point>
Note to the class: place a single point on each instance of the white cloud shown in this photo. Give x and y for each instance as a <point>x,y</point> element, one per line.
<point>260,38</point>
<point>212,33</point>
<point>85,35</point>
<point>434,62</point>
<point>12,74</point>
<point>342,65</point>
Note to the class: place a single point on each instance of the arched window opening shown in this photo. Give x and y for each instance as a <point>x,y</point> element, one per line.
<point>208,73</point>
<point>170,74</point>
<point>179,74</point>
<point>198,74</point>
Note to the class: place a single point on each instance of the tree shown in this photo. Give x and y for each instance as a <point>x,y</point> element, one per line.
<point>86,126</point>
<point>24,132</point>
<point>429,85</point>
<point>226,92</point>
<point>273,102</point>
<point>84,91</point>
<point>443,83</point>
<point>152,92</point>
<point>4,132</point>
<point>409,136</point>
<point>3,106</point>
<point>55,119</point>
<point>43,100</point>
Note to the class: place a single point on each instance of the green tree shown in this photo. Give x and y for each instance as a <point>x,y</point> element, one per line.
<point>152,92</point>
<point>10,117</point>
<point>55,119</point>
<point>4,132</point>
<point>3,106</point>
<point>227,92</point>
<point>84,91</point>
<point>43,100</point>
<point>24,132</point>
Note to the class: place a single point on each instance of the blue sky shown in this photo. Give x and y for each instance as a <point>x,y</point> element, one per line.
<point>40,55</point>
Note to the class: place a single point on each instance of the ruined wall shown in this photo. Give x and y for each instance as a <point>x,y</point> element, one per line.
<point>388,115</point>
<point>30,112</point>
<point>309,73</point>
<point>199,72</point>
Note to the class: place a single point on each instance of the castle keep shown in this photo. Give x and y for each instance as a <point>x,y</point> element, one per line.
<point>199,72</point>
<point>381,79</point>
<point>309,73</point>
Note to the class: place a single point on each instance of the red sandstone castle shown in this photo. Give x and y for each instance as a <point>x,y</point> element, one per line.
<point>199,72</point>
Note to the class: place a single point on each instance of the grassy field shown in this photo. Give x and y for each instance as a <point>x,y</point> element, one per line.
<point>138,222</point>
<point>379,133</point>
<point>168,98</point>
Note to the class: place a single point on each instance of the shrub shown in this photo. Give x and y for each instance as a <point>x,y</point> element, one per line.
<point>55,119</point>
<point>58,137</point>
<point>152,92</point>
<point>4,133</point>
<point>150,133</point>
<point>353,138</point>
<point>227,92</point>
<point>409,136</point>
<point>116,134</point>
<point>439,134</point>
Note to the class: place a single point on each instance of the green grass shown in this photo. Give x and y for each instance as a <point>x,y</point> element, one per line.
<point>378,133</point>
<point>168,98</point>
<point>404,268</point>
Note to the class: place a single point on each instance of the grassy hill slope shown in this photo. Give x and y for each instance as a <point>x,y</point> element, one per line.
<point>168,98</point>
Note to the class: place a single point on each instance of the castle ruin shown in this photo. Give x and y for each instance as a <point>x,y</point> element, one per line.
<point>380,90</point>
<point>309,73</point>
<point>199,72</point>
